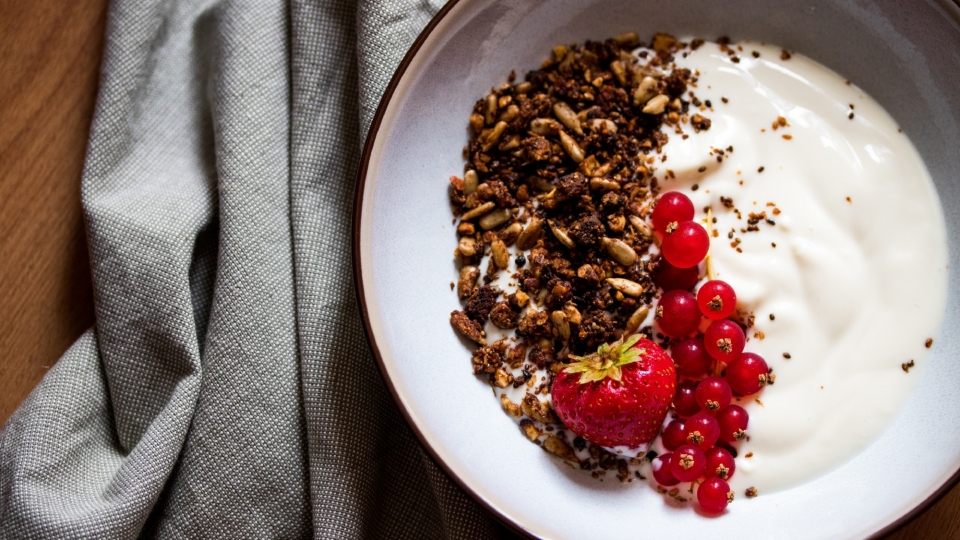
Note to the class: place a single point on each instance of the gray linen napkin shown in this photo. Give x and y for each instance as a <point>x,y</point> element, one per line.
<point>227,390</point>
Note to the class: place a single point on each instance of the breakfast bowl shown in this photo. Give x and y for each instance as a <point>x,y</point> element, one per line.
<point>902,54</point>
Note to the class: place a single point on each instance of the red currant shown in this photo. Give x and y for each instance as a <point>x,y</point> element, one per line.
<point>677,313</point>
<point>669,278</point>
<point>714,495</point>
<point>663,470</point>
<point>733,423</point>
<point>702,430</point>
<point>674,436</point>
<point>747,374</point>
<point>687,463</point>
<point>720,464</point>
<point>713,394</point>
<point>672,206</point>
<point>717,300</point>
<point>691,358</point>
<point>724,340</point>
<point>686,245</point>
<point>685,401</point>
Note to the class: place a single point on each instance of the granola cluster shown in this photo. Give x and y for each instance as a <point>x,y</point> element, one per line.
<point>560,178</point>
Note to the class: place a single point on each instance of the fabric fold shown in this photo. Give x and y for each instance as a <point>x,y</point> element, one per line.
<point>227,390</point>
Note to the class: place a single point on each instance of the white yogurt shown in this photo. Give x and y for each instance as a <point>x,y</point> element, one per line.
<point>857,280</point>
<point>857,286</point>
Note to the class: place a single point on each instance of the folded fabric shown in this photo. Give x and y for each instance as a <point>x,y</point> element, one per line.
<point>227,390</point>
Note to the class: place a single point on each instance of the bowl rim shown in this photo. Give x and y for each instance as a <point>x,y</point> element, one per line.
<point>952,7</point>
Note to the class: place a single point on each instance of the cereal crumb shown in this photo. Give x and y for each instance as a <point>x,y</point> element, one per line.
<point>751,492</point>
<point>928,343</point>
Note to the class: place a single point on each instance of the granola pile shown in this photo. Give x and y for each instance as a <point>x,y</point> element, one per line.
<point>559,180</point>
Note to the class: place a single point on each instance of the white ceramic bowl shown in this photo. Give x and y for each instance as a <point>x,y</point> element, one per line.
<point>906,54</point>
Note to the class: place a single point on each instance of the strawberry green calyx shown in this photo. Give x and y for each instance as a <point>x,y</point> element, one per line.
<point>607,361</point>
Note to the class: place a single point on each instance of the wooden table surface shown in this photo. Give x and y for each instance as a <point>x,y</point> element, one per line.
<point>49,61</point>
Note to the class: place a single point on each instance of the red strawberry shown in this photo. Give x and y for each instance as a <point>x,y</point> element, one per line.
<point>618,396</point>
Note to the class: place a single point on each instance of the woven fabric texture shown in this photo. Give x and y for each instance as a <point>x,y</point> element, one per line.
<point>227,390</point>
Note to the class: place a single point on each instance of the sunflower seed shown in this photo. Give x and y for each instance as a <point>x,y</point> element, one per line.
<point>619,72</point>
<point>467,281</point>
<point>567,117</point>
<point>633,323</point>
<point>627,287</point>
<point>644,91</point>
<point>511,142</point>
<point>585,114</point>
<point>501,257</point>
<point>544,126</point>
<point>641,226</point>
<point>619,250</point>
<point>494,136</point>
<point>531,234</point>
<point>541,184</point>
<point>495,219</point>
<point>602,125</point>
<point>511,233</point>
<point>491,112</point>
<point>508,115</point>
<point>557,447</point>
<point>559,320</point>
<point>470,182</point>
<point>627,39</point>
<point>478,211</point>
<point>523,87</point>
<point>467,247</point>
<point>476,122</point>
<point>656,105</point>
<point>561,235</point>
<point>570,145</point>
<point>603,183</point>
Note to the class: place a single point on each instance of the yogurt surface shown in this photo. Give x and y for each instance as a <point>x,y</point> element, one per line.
<point>846,276</point>
<point>851,280</point>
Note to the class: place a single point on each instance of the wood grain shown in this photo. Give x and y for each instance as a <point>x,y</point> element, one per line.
<point>49,59</point>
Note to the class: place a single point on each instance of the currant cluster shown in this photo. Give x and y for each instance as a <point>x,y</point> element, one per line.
<point>699,440</point>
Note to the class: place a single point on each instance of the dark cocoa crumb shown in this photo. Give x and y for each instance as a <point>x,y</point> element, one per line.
<point>906,366</point>
<point>784,55</point>
<point>725,100</point>
<point>708,104</point>
<point>773,317</point>
<point>755,54</point>
<point>692,188</point>
<point>786,355</point>
<point>928,343</point>
<point>850,116</point>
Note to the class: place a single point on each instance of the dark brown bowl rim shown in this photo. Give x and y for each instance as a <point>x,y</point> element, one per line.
<point>951,6</point>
